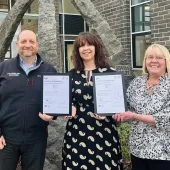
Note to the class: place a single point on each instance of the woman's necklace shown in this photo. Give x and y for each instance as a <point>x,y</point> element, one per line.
<point>88,73</point>
<point>150,85</point>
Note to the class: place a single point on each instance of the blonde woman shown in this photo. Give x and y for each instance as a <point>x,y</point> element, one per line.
<point>149,104</point>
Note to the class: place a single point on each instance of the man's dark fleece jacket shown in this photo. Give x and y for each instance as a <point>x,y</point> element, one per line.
<point>20,102</point>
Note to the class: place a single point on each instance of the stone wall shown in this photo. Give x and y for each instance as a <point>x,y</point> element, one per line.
<point>117,14</point>
<point>56,4</point>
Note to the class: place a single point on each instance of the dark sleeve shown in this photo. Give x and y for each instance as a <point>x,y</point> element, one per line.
<point>1,65</point>
<point>53,70</point>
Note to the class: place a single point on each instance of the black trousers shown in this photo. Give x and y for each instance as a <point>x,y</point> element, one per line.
<point>148,164</point>
<point>32,156</point>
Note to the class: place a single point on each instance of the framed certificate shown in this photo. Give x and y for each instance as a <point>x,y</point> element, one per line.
<point>56,100</point>
<point>109,93</point>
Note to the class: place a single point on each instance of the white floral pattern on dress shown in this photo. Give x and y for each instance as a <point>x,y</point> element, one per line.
<point>89,143</point>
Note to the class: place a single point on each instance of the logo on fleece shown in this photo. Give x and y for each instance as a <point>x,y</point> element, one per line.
<point>13,74</point>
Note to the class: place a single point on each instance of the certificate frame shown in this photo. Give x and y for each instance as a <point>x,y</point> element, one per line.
<point>66,75</point>
<point>123,91</point>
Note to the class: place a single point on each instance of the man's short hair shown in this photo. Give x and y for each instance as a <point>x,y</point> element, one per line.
<point>27,30</point>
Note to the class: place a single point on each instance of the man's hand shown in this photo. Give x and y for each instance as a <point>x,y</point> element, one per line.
<point>45,117</point>
<point>2,142</point>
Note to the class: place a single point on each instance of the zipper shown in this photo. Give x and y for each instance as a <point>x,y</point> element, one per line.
<point>24,125</point>
<point>32,82</point>
<point>27,82</point>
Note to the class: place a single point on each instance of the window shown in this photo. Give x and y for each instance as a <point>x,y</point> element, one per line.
<point>4,5</point>
<point>74,24</point>
<point>141,18</point>
<point>71,23</point>
<point>140,31</point>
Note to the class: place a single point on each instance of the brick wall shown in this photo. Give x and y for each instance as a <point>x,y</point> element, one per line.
<point>160,22</point>
<point>117,14</point>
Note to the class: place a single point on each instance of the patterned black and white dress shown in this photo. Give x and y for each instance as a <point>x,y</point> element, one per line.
<point>89,143</point>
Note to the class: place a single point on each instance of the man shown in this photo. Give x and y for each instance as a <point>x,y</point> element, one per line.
<point>23,127</point>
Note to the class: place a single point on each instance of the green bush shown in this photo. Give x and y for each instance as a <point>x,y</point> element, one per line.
<point>124,131</point>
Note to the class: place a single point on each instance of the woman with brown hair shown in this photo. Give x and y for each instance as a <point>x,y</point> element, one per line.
<point>91,141</point>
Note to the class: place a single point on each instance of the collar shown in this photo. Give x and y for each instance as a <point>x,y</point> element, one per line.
<point>38,59</point>
<point>161,78</point>
<point>23,62</point>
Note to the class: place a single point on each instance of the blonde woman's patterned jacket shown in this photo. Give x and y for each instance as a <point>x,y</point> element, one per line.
<point>148,141</point>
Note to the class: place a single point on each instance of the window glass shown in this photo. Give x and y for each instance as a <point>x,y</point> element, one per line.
<point>87,28</point>
<point>74,24</point>
<point>2,16</point>
<point>69,7</point>
<point>34,8</point>
<point>68,56</point>
<point>30,22</point>
<point>4,6</point>
<point>61,23</point>
<point>8,55</point>
<point>141,18</point>
<point>141,42</point>
<point>60,6</point>
<point>4,2</point>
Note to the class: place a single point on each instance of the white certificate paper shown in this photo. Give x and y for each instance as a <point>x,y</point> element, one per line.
<point>109,95</point>
<point>56,94</point>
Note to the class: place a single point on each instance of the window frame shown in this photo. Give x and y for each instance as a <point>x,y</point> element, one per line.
<point>134,34</point>
<point>134,49</point>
